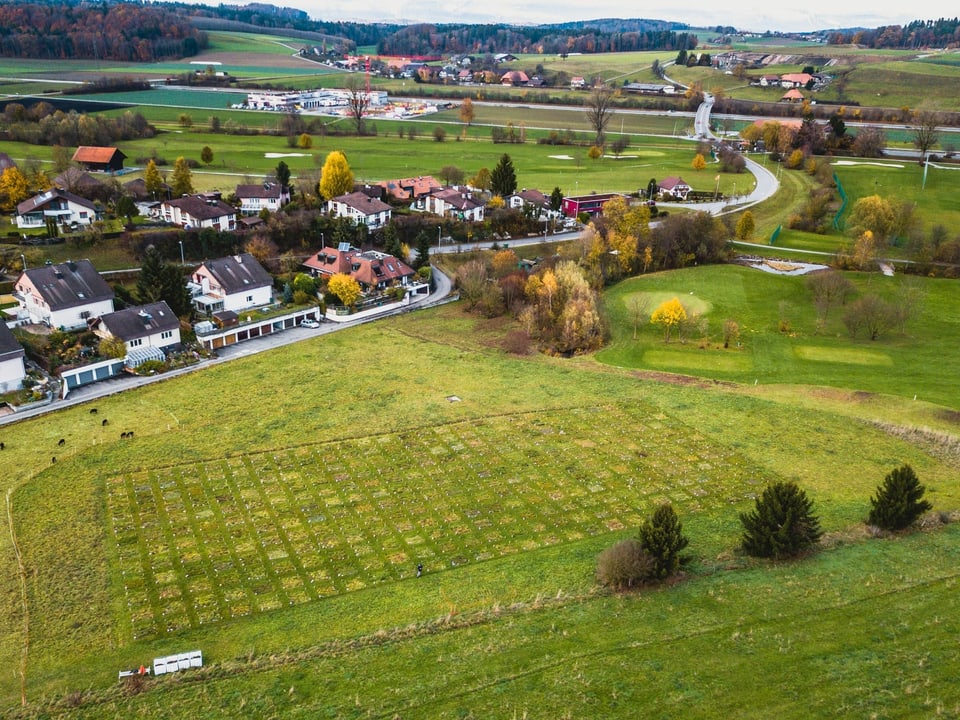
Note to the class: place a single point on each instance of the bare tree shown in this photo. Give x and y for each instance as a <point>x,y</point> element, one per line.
<point>599,110</point>
<point>357,100</point>
<point>925,132</point>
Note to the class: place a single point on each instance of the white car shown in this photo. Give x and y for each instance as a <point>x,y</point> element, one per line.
<point>309,323</point>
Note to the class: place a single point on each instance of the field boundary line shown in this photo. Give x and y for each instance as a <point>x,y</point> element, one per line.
<point>22,579</point>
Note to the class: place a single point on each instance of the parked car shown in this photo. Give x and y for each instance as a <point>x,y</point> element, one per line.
<point>309,323</point>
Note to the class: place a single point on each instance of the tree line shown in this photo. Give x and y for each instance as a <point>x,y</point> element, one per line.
<point>124,32</point>
<point>427,40</point>
<point>943,32</point>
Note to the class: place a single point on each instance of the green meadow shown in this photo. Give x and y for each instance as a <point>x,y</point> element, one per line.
<point>283,540</point>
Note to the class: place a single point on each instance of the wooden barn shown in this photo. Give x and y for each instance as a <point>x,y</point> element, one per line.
<point>99,159</point>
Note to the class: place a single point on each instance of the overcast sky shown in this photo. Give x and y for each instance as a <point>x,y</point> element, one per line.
<point>798,16</point>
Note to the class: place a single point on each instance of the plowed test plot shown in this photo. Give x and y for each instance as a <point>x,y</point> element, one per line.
<point>202,543</point>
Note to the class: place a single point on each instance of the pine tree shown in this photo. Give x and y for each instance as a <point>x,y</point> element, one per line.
<point>283,174</point>
<point>898,502</point>
<point>150,277</point>
<point>782,524</point>
<point>503,179</point>
<point>423,250</point>
<point>181,179</point>
<point>556,199</point>
<point>391,241</point>
<point>662,538</point>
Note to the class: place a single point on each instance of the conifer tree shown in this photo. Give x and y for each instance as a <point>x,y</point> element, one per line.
<point>898,502</point>
<point>782,524</point>
<point>662,538</point>
<point>181,179</point>
<point>503,179</point>
<point>423,250</point>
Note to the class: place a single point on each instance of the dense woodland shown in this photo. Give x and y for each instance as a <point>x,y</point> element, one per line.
<point>917,34</point>
<point>123,32</point>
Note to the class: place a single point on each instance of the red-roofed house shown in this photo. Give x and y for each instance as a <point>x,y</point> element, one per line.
<point>795,80</point>
<point>410,188</point>
<point>514,77</point>
<point>361,208</point>
<point>458,204</point>
<point>99,159</point>
<point>674,187</point>
<point>532,202</point>
<point>373,270</point>
<point>793,95</point>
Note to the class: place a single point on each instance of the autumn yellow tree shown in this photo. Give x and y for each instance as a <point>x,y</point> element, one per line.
<point>466,111</point>
<point>669,314</point>
<point>864,249</point>
<point>504,263</point>
<point>181,179</point>
<point>795,159</point>
<point>14,188</point>
<point>345,288</point>
<point>335,178</point>
<point>305,141</point>
<point>152,180</point>
<point>745,226</point>
<point>699,162</point>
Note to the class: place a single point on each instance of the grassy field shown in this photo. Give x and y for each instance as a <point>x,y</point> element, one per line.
<point>286,540</point>
<point>272,511</point>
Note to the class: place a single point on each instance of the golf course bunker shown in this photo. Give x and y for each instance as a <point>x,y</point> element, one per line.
<point>274,156</point>
<point>560,157</point>
<point>785,267</point>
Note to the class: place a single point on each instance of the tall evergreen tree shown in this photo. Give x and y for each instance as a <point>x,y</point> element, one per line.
<point>423,250</point>
<point>503,179</point>
<point>283,174</point>
<point>391,241</point>
<point>556,199</point>
<point>898,502</point>
<point>158,280</point>
<point>662,538</point>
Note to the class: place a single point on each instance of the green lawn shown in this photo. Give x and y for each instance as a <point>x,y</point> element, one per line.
<point>758,301</point>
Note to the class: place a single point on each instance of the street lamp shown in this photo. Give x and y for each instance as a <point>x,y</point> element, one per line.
<point>438,237</point>
<point>23,258</point>
<point>181,252</point>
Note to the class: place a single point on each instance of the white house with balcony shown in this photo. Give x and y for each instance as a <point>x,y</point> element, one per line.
<point>266,196</point>
<point>61,206</point>
<point>65,296</point>
<point>145,326</point>
<point>361,209</point>
<point>455,203</point>
<point>234,283</point>
<point>199,211</point>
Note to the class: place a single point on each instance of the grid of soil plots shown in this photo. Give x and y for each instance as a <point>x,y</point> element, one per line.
<point>200,543</point>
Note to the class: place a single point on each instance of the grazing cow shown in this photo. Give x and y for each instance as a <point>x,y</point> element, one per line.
<point>130,434</point>
<point>62,442</point>
<point>93,411</point>
<point>53,459</point>
<point>2,446</point>
<point>123,435</point>
<point>103,423</point>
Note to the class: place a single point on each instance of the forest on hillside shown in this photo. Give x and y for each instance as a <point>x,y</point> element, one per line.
<point>125,32</point>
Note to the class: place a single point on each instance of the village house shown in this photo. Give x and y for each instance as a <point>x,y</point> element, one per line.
<point>410,188</point>
<point>65,296</point>
<point>232,283</point>
<point>146,326</point>
<point>516,78</point>
<point>99,159</point>
<point>674,187</point>
<point>795,80</point>
<point>373,270</point>
<point>198,211</point>
<point>59,206</point>
<point>455,203</point>
<point>792,96</point>
<point>577,83</point>
<point>137,189</point>
<point>533,203</point>
<point>263,196</point>
<point>80,182</point>
<point>12,369</point>
<point>361,209</point>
